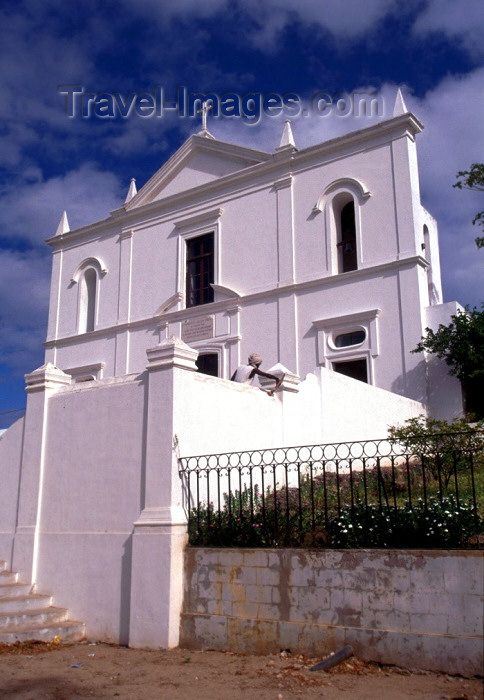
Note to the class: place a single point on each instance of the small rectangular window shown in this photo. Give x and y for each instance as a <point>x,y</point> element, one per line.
<point>208,364</point>
<point>356,369</point>
<point>200,270</point>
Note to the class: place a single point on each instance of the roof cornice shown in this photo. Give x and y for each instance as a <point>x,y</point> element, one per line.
<point>403,125</point>
<point>193,144</point>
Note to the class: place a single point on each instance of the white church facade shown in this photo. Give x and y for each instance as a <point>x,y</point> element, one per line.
<point>316,257</point>
<point>322,260</point>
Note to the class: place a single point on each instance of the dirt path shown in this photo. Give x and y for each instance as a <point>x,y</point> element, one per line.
<point>104,671</point>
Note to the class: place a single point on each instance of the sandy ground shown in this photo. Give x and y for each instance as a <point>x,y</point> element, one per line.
<point>41,672</point>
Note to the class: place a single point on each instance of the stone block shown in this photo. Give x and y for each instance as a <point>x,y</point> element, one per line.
<point>247,575</point>
<point>347,601</point>
<point>430,578</point>
<point>269,611</point>
<point>379,600</point>
<point>247,609</point>
<point>464,574</point>
<point>359,580</point>
<point>301,577</point>
<point>275,559</point>
<point>401,581</point>
<point>214,607</point>
<point>218,572</point>
<point>415,602</point>
<point>259,594</point>
<point>256,557</point>
<point>227,607</point>
<point>211,632</point>
<point>210,590</point>
<point>202,606</point>
<point>431,623</point>
<point>266,577</point>
<point>227,558</point>
<point>388,620</point>
<point>235,592</point>
<point>328,579</point>
<point>251,636</point>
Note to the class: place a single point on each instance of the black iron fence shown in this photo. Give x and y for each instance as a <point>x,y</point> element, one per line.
<point>377,493</point>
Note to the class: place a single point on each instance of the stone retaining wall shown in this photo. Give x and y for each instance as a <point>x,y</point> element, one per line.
<point>421,609</point>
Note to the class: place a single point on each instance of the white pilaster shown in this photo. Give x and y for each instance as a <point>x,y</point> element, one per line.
<point>160,533</point>
<point>124,302</point>
<point>40,385</point>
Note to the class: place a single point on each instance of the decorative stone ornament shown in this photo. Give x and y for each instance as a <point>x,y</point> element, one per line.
<point>132,191</point>
<point>290,382</point>
<point>63,226</point>
<point>45,377</point>
<point>172,352</point>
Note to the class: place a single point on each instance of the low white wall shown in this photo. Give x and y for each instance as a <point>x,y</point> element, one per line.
<point>422,609</point>
<point>352,410</point>
<point>10,473</point>
<point>95,479</point>
<point>92,494</point>
<point>444,391</point>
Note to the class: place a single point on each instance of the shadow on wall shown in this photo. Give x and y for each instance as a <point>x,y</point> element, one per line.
<point>413,384</point>
<point>125,594</point>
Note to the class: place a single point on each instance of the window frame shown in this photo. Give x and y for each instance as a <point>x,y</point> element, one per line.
<point>100,270</point>
<point>329,328</point>
<point>342,189</point>
<point>201,262</point>
<point>193,227</point>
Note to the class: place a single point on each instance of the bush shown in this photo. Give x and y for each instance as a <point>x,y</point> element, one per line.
<point>444,446</point>
<point>440,524</point>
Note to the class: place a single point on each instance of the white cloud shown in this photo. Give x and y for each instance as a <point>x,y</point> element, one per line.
<point>458,19</point>
<point>24,290</point>
<point>31,212</point>
<point>451,141</point>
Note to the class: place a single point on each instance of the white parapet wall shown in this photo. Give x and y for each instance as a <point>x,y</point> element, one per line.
<point>90,480</point>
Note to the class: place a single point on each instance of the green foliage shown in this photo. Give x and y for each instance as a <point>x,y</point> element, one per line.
<point>473,179</point>
<point>441,523</point>
<point>461,345</point>
<point>443,445</point>
<point>319,514</point>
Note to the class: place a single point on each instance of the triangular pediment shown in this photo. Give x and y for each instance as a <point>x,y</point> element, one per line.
<point>200,160</point>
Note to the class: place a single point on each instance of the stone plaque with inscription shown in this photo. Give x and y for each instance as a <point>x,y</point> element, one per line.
<point>198,328</point>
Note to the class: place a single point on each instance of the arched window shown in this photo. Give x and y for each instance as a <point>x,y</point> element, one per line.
<point>344,212</point>
<point>342,201</point>
<point>87,307</point>
<point>87,277</point>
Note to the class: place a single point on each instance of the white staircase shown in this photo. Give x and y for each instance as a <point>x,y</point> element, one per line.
<point>25,615</point>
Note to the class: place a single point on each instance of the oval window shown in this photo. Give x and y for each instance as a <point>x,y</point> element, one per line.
<point>344,340</point>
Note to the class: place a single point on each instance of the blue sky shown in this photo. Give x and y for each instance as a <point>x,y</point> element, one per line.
<point>433,49</point>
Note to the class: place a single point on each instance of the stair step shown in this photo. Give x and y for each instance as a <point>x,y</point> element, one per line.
<point>34,616</point>
<point>10,590</point>
<point>8,577</point>
<point>20,602</point>
<point>68,631</point>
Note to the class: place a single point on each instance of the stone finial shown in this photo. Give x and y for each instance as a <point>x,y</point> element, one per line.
<point>46,377</point>
<point>289,383</point>
<point>399,107</point>
<point>287,138</point>
<point>63,226</point>
<point>132,191</point>
<point>172,352</point>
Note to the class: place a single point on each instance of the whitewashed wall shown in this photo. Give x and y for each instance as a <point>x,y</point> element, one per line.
<point>10,475</point>
<point>275,257</point>
<point>103,463</point>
